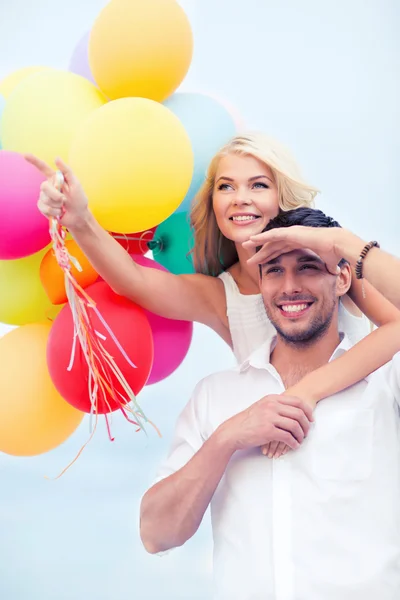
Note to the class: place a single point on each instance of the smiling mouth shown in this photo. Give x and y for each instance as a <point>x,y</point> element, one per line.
<point>294,310</point>
<point>244,218</point>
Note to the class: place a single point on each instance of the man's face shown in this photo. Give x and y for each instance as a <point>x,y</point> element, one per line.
<point>300,295</point>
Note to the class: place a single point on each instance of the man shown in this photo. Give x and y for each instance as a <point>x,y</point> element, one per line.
<point>323,522</point>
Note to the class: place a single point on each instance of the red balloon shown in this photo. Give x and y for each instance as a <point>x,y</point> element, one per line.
<point>171,338</point>
<point>135,243</point>
<point>129,324</point>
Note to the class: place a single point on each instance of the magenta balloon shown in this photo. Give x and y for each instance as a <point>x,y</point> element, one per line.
<point>23,229</point>
<point>148,262</point>
<point>172,341</point>
<point>171,338</point>
<point>79,62</point>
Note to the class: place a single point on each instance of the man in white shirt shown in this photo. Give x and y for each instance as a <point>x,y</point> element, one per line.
<point>320,523</point>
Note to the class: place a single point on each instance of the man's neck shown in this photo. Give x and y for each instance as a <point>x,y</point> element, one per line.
<point>293,361</point>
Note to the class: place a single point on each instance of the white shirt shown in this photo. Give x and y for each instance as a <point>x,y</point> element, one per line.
<point>321,523</point>
<point>250,327</point>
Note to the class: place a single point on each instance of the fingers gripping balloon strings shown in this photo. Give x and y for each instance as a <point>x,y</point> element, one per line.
<point>102,369</point>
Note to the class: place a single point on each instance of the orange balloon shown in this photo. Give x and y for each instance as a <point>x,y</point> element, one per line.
<point>52,276</point>
<point>34,418</point>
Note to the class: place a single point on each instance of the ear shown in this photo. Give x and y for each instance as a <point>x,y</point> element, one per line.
<point>343,280</point>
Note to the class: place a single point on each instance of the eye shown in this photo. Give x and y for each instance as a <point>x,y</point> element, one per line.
<point>313,267</point>
<point>260,184</point>
<point>273,270</point>
<point>224,186</point>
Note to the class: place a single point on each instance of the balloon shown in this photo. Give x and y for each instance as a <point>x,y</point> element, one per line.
<point>42,115</point>
<point>139,48</point>
<point>131,328</point>
<point>2,105</point>
<point>52,276</point>
<point>9,83</point>
<point>171,338</point>
<point>23,230</point>
<point>209,126</point>
<point>232,110</point>
<point>33,416</point>
<point>135,162</point>
<point>135,243</point>
<point>79,62</point>
<point>22,297</point>
<point>172,242</point>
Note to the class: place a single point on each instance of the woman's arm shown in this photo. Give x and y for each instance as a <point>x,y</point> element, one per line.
<point>374,305</point>
<point>184,297</point>
<point>368,355</point>
<point>371,353</point>
<point>379,347</point>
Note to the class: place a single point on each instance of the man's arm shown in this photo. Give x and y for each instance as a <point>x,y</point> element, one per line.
<point>172,510</point>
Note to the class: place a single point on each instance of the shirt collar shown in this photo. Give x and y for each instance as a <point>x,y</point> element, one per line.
<point>260,358</point>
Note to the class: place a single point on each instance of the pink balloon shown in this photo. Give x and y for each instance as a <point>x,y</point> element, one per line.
<point>171,338</point>
<point>23,229</point>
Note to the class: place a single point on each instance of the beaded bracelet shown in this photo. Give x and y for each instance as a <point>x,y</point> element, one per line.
<point>364,252</point>
<point>359,263</point>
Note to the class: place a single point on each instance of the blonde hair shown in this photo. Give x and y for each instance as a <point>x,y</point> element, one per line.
<point>212,251</point>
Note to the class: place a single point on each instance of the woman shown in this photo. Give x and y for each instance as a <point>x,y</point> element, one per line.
<point>248,182</point>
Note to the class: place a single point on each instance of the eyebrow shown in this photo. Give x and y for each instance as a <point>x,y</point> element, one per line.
<point>250,179</point>
<point>301,259</point>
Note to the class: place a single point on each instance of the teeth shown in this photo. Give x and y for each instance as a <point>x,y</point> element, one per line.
<point>244,218</point>
<point>294,307</point>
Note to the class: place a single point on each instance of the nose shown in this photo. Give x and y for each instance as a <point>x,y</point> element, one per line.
<point>291,284</point>
<point>242,197</point>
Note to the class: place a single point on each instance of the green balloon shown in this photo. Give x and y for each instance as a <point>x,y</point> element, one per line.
<point>172,242</point>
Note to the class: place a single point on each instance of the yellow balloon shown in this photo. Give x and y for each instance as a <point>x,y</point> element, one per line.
<point>43,113</point>
<point>22,296</point>
<point>9,83</point>
<point>140,48</point>
<point>135,162</point>
<point>34,418</point>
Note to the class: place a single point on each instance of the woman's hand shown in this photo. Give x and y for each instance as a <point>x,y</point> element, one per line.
<point>321,240</point>
<point>70,204</point>
<point>276,449</point>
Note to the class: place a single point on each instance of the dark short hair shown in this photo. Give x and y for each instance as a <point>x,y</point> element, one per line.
<point>304,216</point>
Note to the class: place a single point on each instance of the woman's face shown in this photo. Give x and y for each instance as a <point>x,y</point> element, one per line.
<point>245,196</point>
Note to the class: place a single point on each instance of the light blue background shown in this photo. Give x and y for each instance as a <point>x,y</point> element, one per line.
<point>323,78</point>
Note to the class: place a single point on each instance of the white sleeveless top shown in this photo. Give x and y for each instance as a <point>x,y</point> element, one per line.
<point>250,326</point>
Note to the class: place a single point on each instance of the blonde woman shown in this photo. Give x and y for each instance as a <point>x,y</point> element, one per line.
<point>248,182</point>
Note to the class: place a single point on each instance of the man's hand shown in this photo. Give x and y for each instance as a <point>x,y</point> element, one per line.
<point>273,418</point>
<point>321,240</point>
<point>276,449</point>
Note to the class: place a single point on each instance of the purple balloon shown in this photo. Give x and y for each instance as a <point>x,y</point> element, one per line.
<point>79,62</point>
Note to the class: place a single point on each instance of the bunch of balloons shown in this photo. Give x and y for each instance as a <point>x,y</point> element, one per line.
<point>140,150</point>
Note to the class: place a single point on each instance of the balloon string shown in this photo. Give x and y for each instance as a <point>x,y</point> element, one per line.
<point>102,369</point>
<point>76,457</point>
